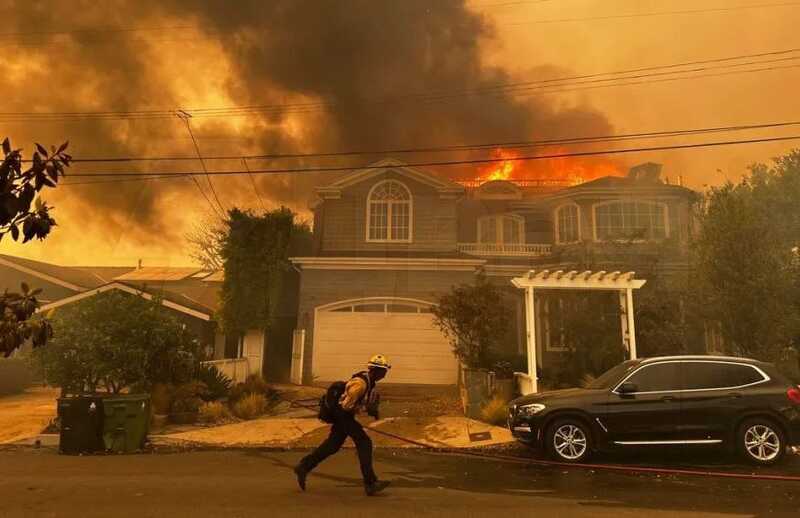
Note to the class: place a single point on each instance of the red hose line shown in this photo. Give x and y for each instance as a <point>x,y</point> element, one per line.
<point>606,467</point>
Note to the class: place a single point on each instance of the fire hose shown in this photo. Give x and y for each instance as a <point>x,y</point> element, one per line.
<point>590,466</point>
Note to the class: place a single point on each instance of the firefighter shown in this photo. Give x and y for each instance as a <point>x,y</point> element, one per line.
<point>358,393</point>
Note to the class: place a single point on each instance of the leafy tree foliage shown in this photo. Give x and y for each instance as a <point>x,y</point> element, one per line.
<point>117,340</point>
<point>255,252</point>
<point>475,320</point>
<point>23,214</point>
<point>747,259</point>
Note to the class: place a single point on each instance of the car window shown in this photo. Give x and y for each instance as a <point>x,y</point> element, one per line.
<point>612,376</point>
<point>659,377</point>
<point>709,375</point>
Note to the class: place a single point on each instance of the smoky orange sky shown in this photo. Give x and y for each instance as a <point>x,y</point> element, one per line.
<point>126,55</point>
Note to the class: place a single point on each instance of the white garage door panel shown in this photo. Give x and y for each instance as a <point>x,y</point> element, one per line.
<point>418,351</point>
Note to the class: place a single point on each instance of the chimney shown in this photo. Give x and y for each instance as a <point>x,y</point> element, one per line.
<point>648,172</point>
<point>140,265</point>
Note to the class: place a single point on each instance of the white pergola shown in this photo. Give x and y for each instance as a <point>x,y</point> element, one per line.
<point>624,283</point>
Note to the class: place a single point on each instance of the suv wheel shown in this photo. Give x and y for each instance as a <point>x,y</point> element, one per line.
<point>761,441</point>
<point>569,440</point>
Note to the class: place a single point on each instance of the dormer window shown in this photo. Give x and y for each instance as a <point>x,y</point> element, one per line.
<point>502,229</point>
<point>389,213</point>
<point>636,220</point>
<point>568,227</point>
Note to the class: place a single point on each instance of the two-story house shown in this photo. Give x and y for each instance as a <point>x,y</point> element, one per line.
<point>390,239</point>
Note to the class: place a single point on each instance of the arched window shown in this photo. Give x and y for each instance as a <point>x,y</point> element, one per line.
<point>502,229</point>
<point>639,220</point>
<point>389,212</point>
<point>568,225</point>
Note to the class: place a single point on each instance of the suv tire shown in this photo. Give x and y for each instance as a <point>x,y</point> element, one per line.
<point>761,441</point>
<point>568,440</point>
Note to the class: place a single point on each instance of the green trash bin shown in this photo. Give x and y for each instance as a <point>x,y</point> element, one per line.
<point>127,421</point>
<point>81,419</point>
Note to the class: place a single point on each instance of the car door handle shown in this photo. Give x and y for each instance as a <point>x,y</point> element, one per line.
<point>735,395</point>
<point>668,399</point>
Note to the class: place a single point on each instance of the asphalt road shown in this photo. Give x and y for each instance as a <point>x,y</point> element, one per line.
<point>237,483</point>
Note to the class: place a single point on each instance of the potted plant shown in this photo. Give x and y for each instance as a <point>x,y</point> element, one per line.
<point>474,319</point>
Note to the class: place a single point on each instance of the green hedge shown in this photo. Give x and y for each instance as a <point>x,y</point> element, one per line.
<point>15,376</point>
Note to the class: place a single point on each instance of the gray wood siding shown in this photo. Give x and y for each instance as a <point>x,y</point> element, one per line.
<point>434,221</point>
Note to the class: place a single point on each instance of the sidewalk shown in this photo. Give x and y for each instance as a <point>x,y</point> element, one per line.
<point>307,432</point>
<point>25,415</point>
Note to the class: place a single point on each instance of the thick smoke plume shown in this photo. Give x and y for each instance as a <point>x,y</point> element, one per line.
<point>350,55</point>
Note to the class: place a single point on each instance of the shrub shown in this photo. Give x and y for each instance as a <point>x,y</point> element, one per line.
<point>217,383</point>
<point>254,384</point>
<point>15,376</point>
<point>161,397</point>
<point>495,411</point>
<point>188,398</point>
<point>214,412</point>
<point>250,406</point>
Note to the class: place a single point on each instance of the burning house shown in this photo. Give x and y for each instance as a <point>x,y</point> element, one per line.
<point>390,239</point>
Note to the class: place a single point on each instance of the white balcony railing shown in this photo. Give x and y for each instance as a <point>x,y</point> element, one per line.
<point>505,249</point>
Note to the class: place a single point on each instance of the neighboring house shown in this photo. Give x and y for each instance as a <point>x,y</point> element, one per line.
<point>190,294</point>
<point>390,239</point>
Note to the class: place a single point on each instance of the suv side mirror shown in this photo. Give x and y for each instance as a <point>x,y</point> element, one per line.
<point>628,388</point>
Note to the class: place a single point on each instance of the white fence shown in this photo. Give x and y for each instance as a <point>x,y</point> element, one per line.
<point>236,369</point>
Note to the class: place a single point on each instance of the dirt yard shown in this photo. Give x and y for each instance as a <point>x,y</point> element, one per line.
<point>25,415</point>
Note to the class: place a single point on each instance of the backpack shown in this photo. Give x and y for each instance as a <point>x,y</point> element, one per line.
<point>329,402</point>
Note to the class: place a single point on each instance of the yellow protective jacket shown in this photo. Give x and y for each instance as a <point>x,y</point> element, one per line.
<point>355,395</point>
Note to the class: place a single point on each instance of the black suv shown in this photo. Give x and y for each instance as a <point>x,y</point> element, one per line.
<point>743,404</point>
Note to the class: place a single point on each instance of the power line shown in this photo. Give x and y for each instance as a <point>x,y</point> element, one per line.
<point>657,13</point>
<point>185,118</point>
<point>255,187</point>
<point>455,148</point>
<point>501,89</point>
<point>444,163</point>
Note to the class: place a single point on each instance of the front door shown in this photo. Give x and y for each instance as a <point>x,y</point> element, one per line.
<point>650,414</point>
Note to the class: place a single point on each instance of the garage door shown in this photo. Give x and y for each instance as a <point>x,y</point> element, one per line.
<point>346,336</point>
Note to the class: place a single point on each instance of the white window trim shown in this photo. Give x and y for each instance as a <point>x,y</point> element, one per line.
<point>389,215</point>
<point>499,230</point>
<point>556,221</point>
<point>548,331</point>
<point>765,377</point>
<point>664,208</point>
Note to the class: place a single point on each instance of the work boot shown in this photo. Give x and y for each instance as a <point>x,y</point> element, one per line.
<point>376,487</point>
<point>301,476</point>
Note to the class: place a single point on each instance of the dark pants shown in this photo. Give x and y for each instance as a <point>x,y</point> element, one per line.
<point>344,427</point>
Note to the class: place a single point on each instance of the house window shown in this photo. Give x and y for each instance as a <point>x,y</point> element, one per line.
<point>505,229</point>
<point>568,224</point>
<point>389,212</point>
<point>630,220</point>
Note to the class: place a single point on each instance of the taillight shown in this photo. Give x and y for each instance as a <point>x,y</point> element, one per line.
<point>794,395</point>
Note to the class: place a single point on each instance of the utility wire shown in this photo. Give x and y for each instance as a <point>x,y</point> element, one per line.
<point>455,148</point>
<point>184,117</point>
<point>255,187</point>
<point>656,13</point>
<point>501,89</point>
<point>444,163</point>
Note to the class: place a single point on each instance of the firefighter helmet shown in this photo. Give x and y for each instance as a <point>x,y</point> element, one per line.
<point>380,361</point>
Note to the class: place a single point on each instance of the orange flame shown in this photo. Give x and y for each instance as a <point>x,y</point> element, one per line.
<point>567,169</point>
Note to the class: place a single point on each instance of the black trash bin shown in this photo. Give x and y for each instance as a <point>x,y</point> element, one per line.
<point>81,424</point>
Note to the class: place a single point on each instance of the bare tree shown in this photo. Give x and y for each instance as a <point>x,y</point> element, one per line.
<point>205,240</point>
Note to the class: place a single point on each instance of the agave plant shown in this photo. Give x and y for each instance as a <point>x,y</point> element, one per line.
<point>218,384</point>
